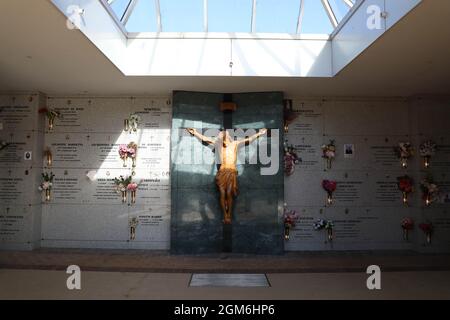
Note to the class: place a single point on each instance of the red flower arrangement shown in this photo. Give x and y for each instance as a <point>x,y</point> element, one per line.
<point>329,186</point>
<point>290,217</point>
<point>407,224</point>
<point>406,186</point>
<point>427,228</point>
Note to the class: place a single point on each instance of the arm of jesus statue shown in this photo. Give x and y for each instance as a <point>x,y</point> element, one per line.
<point>253,137</point>
<point>201,137</point>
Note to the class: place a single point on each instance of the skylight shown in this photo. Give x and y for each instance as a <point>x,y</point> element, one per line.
<point>246,16</point>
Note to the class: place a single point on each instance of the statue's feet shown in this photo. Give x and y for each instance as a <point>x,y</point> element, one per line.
<point>227,221</point>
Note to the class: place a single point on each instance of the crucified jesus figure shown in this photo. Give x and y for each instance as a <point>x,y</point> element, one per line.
<point>226,177</point>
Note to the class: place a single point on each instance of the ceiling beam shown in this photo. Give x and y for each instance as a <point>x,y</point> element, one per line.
<point>330,13</point>
<point>128,11</point>
<point>253,23</point>
<point>158,16</point>
<point>348,3</point>
<point>300,16</point>
<point>205,15</point>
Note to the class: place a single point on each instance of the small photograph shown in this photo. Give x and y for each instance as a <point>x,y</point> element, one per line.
<point>27,155</point>
<point>349,150</point>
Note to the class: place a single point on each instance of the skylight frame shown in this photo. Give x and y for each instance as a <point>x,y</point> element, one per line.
<point>337,25</point>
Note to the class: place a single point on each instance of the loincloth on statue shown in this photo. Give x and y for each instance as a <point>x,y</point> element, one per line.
<point>226,179</point>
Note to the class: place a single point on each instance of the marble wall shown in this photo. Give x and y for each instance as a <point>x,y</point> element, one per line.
<point>86,212</point>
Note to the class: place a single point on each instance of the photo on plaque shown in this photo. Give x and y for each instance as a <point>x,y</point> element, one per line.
<point>349,150</point>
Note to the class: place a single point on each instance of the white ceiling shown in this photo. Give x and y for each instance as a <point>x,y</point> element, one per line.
<point>38,53</point>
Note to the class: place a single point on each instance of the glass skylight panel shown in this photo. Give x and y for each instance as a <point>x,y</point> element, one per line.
<point>275,16</point>
<point>229,15</point>
<point>340,9</point>
<point>143,17</point>
<point>181,15</point>
<point>315,19</point>
<point>119,7</point>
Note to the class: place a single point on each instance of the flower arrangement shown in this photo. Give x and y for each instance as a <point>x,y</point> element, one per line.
<point>290,218</point>
<point>430,191</point>
<point>51,115</point>
<point>128,151</point>
<point>290,159</point>
<point>329,186</point>
<point>3,144</point>
<point>406,185</point>
<point>328,225</point>
<point>407,224</point>
<point>404,151</point>
<point>427,228</point>
<point>122,186</point>
<point>426,150</point>
<point>329,152</point>
<point>132,187</point>
<point>132,123</point>
<point>133,223</point>
<point>46,184</point>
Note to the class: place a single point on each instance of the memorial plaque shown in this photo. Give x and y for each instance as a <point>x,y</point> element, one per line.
<point>154,113</point>
<point>309,119</point>
<point>352,152</point>
<point>75,114</point>
<point>13,155</point>
<point>308,149</point>
<point>104,150</point>
<point>366,118</point>
<point>109,114</point>
<point>383,190</point>
<point>15,186</point>
<point>352,189</point>
<point>382,154</point>
<point>14,117</point>
<point>15,224</point>
<point>85,223</point>
<point>153,191</point>
<point>304,188</point>
<point>154,149</point>
<point>68,150</point>
<point>441,160</point>
<point>69,186</point>
<point>100,188</point>
<point>153,223</point>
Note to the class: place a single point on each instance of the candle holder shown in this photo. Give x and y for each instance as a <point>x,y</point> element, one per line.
<point>124,196</point>
<point>48,157</point>
<point>426,161</point>
<point>133,196</point>
<point>126,125</point>
<point>47,195</point>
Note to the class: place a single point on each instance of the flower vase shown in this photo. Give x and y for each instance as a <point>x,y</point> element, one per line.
<point>134,161</point>
<point>329,199</point>
<point>51,122</point>
<point>287,228</point>
<point>47,195</point>
<point>49,159</point>
<point>328,163</point>
<point>133,196</point>
<point>404,162</point>
<point>132,233</point>
<point>428,237</point>
<point>124,196</point>
<point>426,162</point>
<point>405,234</point>
<point>126,125</point>
<point>125,159</point>
<point>427,200</point>
<point>330,235</point>
<point>405,198</point>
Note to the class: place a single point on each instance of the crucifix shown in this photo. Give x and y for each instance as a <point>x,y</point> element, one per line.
<point>226,177</point>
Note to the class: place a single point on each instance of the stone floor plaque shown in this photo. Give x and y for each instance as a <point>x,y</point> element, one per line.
<point>228,280</point>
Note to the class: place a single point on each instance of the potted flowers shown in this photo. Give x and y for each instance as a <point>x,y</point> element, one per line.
<point>430,191</point>
<point>131,124</point>
<point>329,186</point>
<point>128,151</point>
<point>404,151</point>
<point>329,152</point>
<point>405,185</point>
<point>328,225</point>
<point>290,217</point>
<point>51,116</point>
<point>122,186</point>
<point>426,150</point>
<point>427,228</point>
<point>290,159</point>
<point>407,224</point>
<point>46,185</point>
<point>132,187</point>
<point>133,223</point>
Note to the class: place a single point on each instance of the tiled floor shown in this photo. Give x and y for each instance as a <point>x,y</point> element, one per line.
<point>47,284</point>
